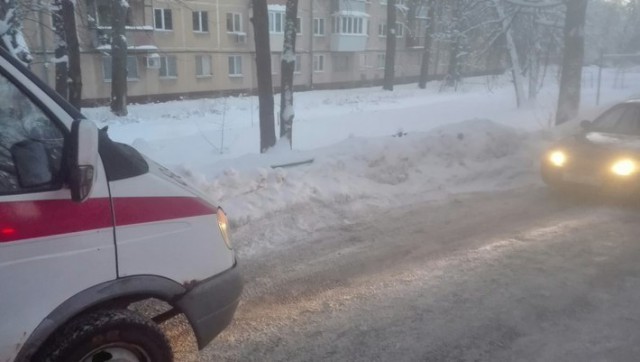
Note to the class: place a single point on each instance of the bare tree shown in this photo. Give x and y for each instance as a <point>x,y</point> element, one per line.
<point>414,7</point>
<point>60,52</point>
<point>288,67</point>
<point>390,56</point>
<point>428,42</point>
<point>119,58</point>
<point>260,22</point>
<point>68,81</point>
<point>516,72</point>
<point>571,77</point>
<point>73,53</point>
<point>12,38</point>
<point>456,35</point>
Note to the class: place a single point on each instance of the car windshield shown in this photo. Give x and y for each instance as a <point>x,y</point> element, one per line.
<point>623,119</point>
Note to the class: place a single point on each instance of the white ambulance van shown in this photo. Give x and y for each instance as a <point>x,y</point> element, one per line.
<point>89,226</point>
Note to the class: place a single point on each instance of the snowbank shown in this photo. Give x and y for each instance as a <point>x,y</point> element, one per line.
<point>364,172</point>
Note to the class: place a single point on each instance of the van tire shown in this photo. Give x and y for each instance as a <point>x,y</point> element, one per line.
<point>122,328</point>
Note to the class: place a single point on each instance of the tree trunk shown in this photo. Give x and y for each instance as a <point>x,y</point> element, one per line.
<point>288,67</point>
<point>453,74</point>
<point>60,52</point>
<point>412,14</point>
<point>571,77</point>
<point>119,58</point>
<point>265,83</point>
<point>428,41</point>
<point>73,51</point>
<point>516,71</point>
<point>390,57</point>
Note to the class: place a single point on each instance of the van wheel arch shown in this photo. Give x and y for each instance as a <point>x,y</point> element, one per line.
<point>117,293</point>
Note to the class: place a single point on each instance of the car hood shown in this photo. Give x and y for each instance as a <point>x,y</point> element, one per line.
<point>610,140</point>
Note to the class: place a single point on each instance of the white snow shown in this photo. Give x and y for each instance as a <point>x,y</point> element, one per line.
<point>277,8</point>
<point>370,148</point>
<point>131,47</point>
<point>62,59</point>
<point>354,13</point>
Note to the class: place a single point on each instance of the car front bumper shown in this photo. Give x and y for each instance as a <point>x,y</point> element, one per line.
<point>210,304</point>
<point>591,177</point>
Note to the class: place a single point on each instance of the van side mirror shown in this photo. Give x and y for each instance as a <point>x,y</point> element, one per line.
<point>32,164</point>
<point>586,125</point>
<point>83,162</point>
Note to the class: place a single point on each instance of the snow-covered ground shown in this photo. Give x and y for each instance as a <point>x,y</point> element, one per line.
<point>370,148</point>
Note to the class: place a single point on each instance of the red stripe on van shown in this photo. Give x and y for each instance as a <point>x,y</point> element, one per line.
<point>20,220</point>
<point>139,210</point>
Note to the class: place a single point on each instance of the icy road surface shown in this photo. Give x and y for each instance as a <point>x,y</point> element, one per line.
<point>515,275</point>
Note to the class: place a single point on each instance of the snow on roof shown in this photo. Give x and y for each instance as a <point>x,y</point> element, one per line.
<point>132,47</point>
<point>351,13</point>
<point>134,27</point>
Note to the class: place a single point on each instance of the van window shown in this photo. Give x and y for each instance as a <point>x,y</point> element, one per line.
<point>21,121</point>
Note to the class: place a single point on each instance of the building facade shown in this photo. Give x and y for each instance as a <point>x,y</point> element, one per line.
<point>194,48</point>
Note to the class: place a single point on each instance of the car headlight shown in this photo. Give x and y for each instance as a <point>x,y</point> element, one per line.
<point>558,158</point>
<point>625,167</point>
<point>223,225</point>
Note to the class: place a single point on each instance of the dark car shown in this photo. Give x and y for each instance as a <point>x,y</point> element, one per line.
<point>604,154</point>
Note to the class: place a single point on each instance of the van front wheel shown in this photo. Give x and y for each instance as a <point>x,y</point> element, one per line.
<point>109,335</point>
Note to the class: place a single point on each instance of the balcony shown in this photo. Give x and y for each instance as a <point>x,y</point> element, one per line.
<point>349,5</point>
<point>277,42</point>
<point>348,42</point>
<point>138,37</point>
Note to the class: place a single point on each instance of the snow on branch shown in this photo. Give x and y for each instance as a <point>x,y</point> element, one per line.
<point>11,31</point>
<point>538,5</point>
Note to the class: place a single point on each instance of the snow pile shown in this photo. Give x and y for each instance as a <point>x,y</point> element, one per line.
<point>364,172</point>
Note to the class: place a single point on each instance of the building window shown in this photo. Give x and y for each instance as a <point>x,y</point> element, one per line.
<point>168,67</point>
<point>132,68</point>
<point>363,61</point>
<point>298,64</point>
<point>162,19</point>
<point>100,14</point>
<point>318,27</point>
<point>382,30</point>
<point>341,63</point>
<point>235,65</point>
<point>201,21</point>
<point>349,25</point>
<point>103,12</point>
<point>276,22</point>
<point>318,63</point>
<point>234,23</point>
<point>203,66</point>
<point>381,61</point>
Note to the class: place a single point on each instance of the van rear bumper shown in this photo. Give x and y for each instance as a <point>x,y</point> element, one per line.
<point>210,304</point>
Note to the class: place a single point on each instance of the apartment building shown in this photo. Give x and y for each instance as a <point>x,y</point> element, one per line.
<point>194,48</point>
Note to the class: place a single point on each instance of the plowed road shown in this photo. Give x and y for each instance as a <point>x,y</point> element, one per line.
<point>517,275</point>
